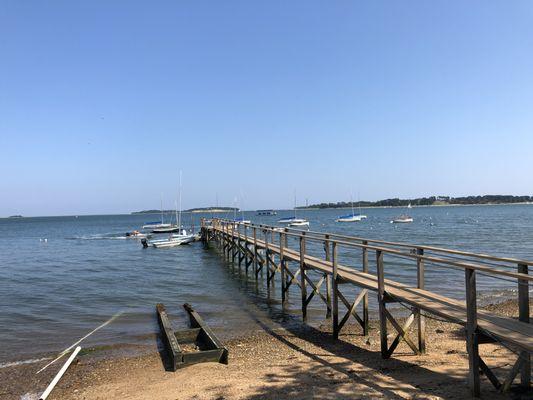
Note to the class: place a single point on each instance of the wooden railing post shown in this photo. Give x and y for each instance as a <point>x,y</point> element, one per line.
<point>365,297</point>
<point>246,248</point>
<point>421,320</point>
<point>266,266</point>
<point>523,315</point>
<point>255,251</point>
<point>334,283</point>
<point>234,245</point>
<point>282,265</point>
<point>381,301</point>
<point>327,249</point>
<point>302,276</point>
<point>472,340</point>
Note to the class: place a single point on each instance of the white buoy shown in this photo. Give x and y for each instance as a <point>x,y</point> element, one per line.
<point>60,374</point>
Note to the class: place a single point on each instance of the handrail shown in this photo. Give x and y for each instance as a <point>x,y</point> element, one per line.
<point>395,252</point>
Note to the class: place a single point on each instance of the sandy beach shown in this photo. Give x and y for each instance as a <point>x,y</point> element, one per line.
<point>301,363</point>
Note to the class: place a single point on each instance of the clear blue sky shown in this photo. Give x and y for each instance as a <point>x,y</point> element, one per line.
<point>102,102</point>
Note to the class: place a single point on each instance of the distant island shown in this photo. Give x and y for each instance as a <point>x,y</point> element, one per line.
<point>429,201</point>
<point>15,216</point>
<point>193,210</point>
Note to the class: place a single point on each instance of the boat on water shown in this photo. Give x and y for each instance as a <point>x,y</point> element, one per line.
<point>241,221</point>
<point>182,237</point>
<point>350,218</point>
<point>155,225</point>
<point>299,222</point>
<point>266,212</point>
<point>353,217</point>
<point>172,241</point>
<point>294,221</point>
<point>137,235</point>
<point>402,219</point>
<point>166,229</point>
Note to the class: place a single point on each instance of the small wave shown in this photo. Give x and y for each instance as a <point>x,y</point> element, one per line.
<point>22,362</point>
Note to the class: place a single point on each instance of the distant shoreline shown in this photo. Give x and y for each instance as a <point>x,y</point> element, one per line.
<point>412,206</point>
<point>279,209</point>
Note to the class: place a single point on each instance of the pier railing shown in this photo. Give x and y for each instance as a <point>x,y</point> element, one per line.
<point>274,248</point>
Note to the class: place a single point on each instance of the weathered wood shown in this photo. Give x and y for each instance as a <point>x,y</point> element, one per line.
<point>246,246</point>
<point>402,334</point>
<point>334,281</point>
<point>283,268</point>
<point>352,308</point>
<point>480,325</point>
<point>187,335</point>
<point>365,298</point>
<point>255,251</point>
<point>327,250</point>
<point>172,346</point>
<point>472,344</point>
<point>206,334</point>
<point>381,303</point>
<point>303,286</point>
<point>421,321</point>
<point>523,315</point>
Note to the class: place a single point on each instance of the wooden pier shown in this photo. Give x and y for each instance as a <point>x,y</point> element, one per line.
<point>287,254</point>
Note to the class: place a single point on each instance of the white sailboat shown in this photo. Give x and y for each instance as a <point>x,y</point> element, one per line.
<point>293,221</point>
<point>177,239</point>
<point>157,224</point>
<point>353,217</point>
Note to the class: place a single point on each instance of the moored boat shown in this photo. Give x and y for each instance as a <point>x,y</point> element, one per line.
<point>299,222</point>
<point>402,219</point>
<point>266,212</point>
<point>350,218</point>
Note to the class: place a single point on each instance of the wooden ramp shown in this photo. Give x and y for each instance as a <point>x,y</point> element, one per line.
<point>271,252</point>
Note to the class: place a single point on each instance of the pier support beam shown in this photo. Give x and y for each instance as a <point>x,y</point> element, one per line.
<point>421,320</point>
<point>472,340</point>
<point>303,286</point>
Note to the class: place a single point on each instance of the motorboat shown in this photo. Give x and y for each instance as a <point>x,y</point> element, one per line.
<point>299,222</point>
<point>266,212</point>
<point>137,235</point>
<point>172,241</point>
<point>402,219</point>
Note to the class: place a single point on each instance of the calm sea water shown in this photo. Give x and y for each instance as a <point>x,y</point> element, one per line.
<point>54,292</point>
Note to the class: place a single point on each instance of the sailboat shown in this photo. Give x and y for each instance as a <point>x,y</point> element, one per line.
<point>240,220</point>
<point>182,237</point>
<point>353,217</point>
<point>293,221</point>
<point>157,224</point>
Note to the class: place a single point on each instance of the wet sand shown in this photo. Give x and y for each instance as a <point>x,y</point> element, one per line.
<point>299,363</point>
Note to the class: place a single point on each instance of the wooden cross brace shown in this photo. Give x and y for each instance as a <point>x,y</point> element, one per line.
<point>292,278</point>
<point>351,308</point>
<point>402,334</point>
<point>316,290</point>
<point>520,364</point>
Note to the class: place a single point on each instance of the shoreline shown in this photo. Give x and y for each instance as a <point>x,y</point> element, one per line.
<point>297,361</point>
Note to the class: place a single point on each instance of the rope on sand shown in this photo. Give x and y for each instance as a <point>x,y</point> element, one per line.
<point>79,341</point>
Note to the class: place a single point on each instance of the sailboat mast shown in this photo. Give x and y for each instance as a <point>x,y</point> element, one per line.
<point>179,215</point>
<point>162,209</point>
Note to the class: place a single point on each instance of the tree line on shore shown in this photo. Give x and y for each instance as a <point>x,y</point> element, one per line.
<point>429,201</point>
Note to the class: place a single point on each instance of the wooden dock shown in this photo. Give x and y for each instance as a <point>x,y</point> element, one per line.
<point>285,253</point>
